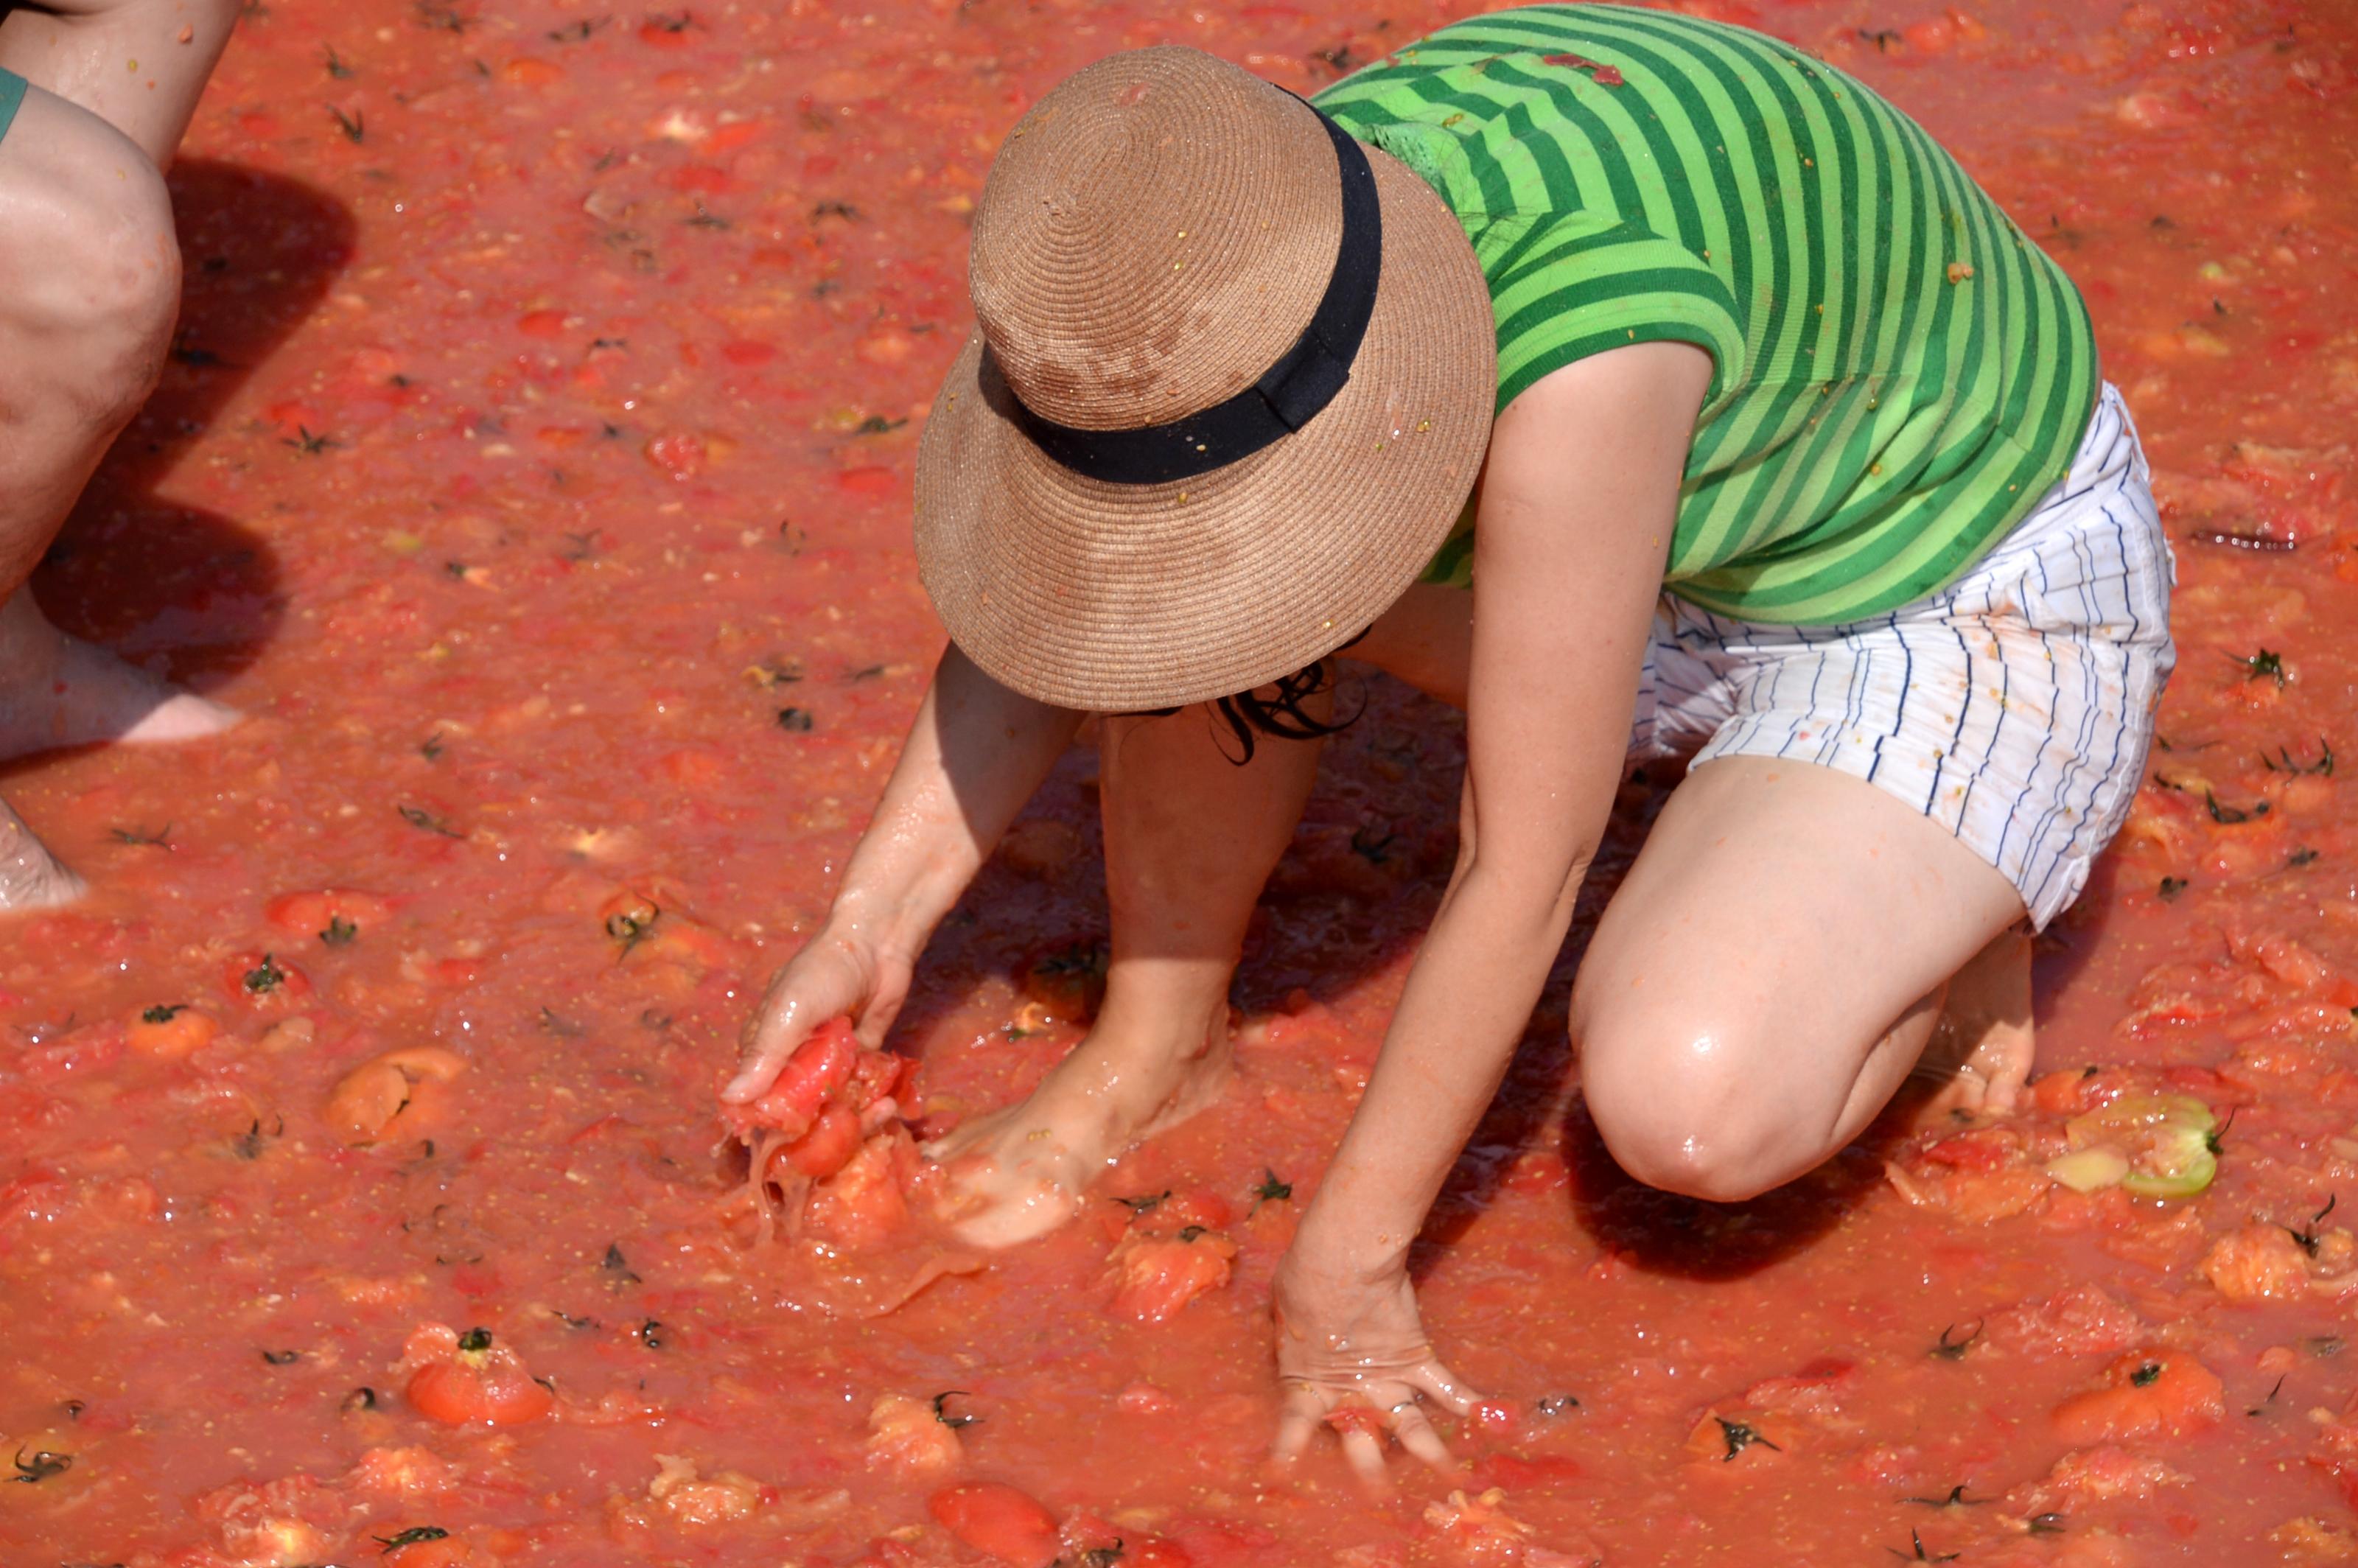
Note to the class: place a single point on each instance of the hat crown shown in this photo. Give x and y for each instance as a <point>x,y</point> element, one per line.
<point>1154,235</point>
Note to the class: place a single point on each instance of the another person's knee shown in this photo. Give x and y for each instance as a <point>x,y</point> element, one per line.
<point>1679,1109</point>
<point>99,272</point>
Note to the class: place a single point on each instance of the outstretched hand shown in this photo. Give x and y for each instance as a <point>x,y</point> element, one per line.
<point>1352,1354</point>
<point>834,977</point>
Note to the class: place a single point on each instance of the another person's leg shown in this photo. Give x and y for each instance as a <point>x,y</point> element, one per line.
<point>1190,837</point>
<point>93,274</point>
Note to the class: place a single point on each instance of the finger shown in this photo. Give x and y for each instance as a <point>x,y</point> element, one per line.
<point>1455,1396</point>
<point>1365,1455</point>
<point>1297,1425</point>
<point>1416,1435</point>
<point>774,1039</point>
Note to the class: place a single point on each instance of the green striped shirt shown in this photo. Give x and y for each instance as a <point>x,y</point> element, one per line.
<point>1901,373</point>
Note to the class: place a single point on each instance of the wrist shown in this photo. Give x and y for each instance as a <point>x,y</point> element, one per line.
<point>1352,1250</point>
<point>886,921</point>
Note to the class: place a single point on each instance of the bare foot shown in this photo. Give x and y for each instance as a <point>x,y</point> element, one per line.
<point>30,877</point>
<point>1020,1172</point>
<point>57,690</point>
<point>1982,1050</point>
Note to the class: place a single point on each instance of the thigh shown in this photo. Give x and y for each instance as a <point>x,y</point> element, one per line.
<point>1740,1010</point>
<point>77,50</point>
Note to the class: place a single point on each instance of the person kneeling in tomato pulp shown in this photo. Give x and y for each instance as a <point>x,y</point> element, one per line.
<point>1781,463</point>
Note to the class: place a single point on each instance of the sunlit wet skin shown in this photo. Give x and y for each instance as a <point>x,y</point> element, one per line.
<point>1190,837</point>
<point>1022,1171</point>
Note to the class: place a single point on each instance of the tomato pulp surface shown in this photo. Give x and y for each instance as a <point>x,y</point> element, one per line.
<point>533,465</point>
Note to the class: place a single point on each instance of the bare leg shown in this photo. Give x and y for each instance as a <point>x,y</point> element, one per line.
<point>1769,972</point>
<point>1190,838</point>
<point>92,271</point>
<point>139,65</point>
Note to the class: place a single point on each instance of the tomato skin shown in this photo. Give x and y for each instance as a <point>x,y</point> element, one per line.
<point>2146,1393</point>
<point>996,1519</point>
<point>312,912</point>
<point>496,1393</point>
<point>1156,1276</point>
<point>829,1146</point>
<point>182,1032</point>
<point>820,1065</point>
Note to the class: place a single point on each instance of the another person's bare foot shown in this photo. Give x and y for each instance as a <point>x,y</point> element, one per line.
<point>1982,1049</point>
<point>30,877</point>
<point>57,690</point>
<point>1020,1172</point>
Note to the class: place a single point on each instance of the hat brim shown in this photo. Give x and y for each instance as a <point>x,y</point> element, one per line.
<point>1116,598</point>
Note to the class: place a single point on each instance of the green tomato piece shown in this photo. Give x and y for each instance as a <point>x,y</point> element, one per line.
<point>2126,1119</point>
<point>2088,1170</point>
<point>2176,1164</point>
<point>2164,1141</point>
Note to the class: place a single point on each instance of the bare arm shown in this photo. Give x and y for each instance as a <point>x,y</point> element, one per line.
<point>1579,499</point>
<point>974,755</point>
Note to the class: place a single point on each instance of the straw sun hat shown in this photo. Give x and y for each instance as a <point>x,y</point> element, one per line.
<point>1233,383</point>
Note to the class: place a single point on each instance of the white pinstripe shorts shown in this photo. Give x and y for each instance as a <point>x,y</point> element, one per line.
<point>2014,707</point>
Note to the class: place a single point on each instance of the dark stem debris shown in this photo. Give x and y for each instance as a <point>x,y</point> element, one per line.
<point>1739,1437</point>
<point>411,1537</point>
<point>1270,1190</point>
<point>1955,1499</point>
<point>942,1412</point>
<point>41,1466</point>
<point>249,1144</point>
<point>2266,663</point>
<point>425,821</point>
<point>2282,761</point>
<point>2230,815</point>
<point>1953,1349</point>
<point>2307,1235</point>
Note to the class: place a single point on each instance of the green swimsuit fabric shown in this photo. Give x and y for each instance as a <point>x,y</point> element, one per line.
<point>12,92</point>
<point>1901,373</point>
